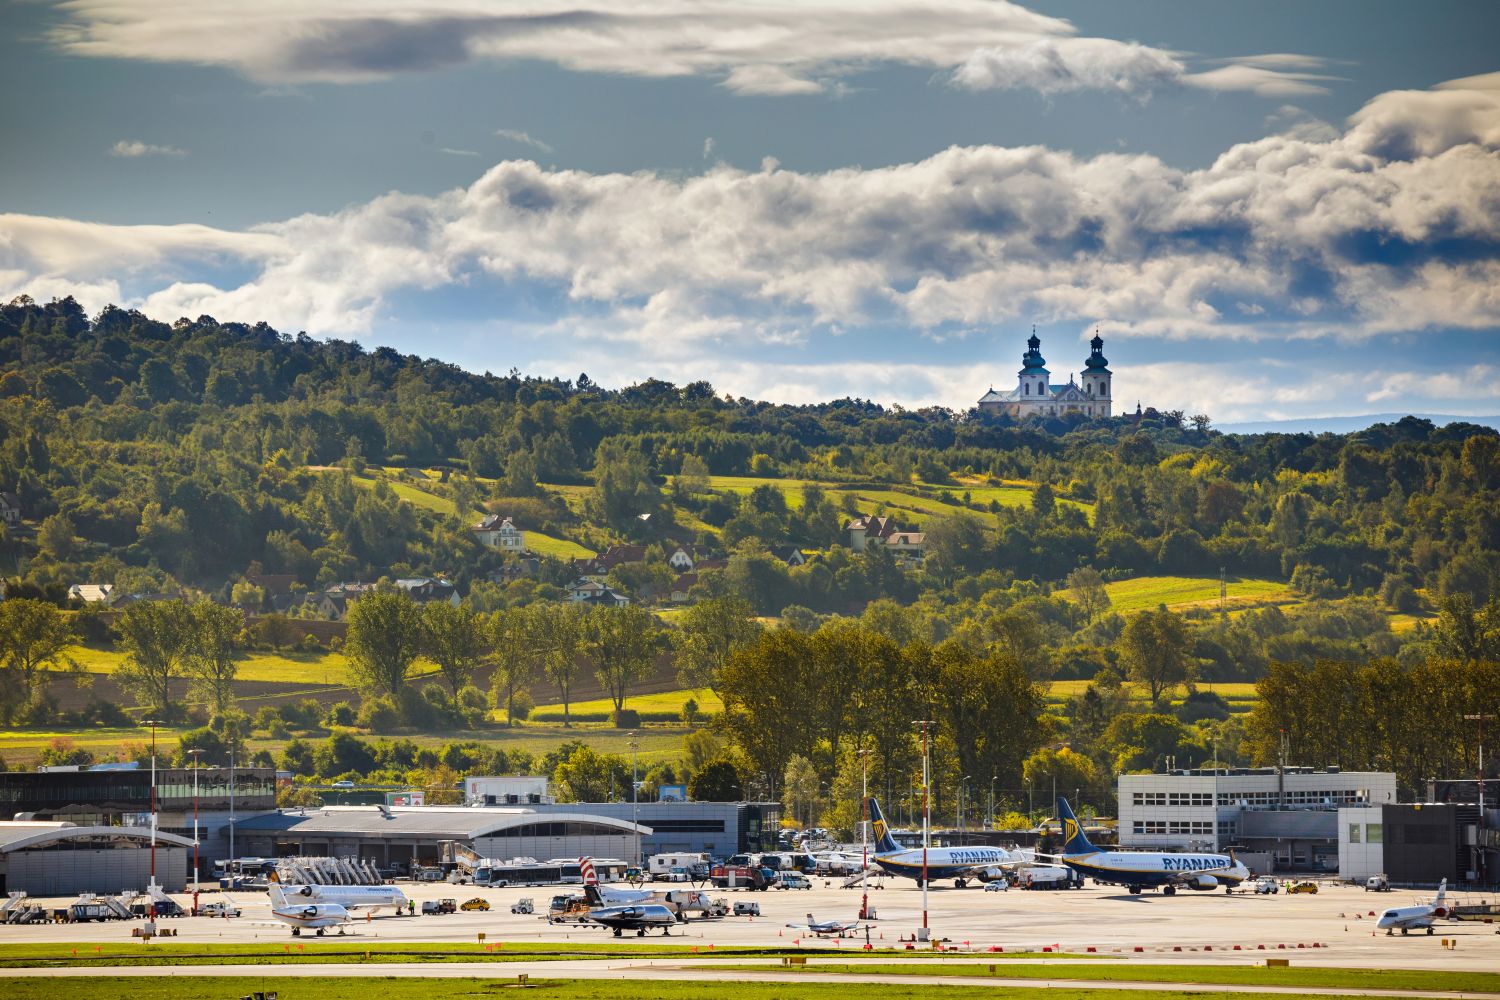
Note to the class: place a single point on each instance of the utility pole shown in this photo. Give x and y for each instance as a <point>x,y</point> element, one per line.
<point>234,867</point>
<point>989,819</point>
<point>634,807</point>
<point>153,723</point>
<point>926,819</point>
<point>1480,718</point>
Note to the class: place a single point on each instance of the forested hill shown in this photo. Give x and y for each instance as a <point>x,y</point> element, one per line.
<point>160,457</point>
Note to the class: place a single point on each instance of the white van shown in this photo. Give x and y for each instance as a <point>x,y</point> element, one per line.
<point>660,865</point>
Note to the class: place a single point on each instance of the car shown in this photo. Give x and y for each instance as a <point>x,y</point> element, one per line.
<point>346,783</point>
<point>218,909</point>
<point>1377,883</point>
<point>430,906</point>
<point>447,906</point>
<point>747,909</point>
<point>791,880</point>
<point>477,903</point>
<point>1301,887</point>
<point>999,885</point>
<point>1267,886</point>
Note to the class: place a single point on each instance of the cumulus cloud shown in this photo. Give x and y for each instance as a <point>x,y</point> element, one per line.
<point>524,138</point>
<point>1390,225</point>
<point>773,47</point>
<point>132,149</point>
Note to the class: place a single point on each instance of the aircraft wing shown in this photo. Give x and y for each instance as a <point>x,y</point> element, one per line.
<point>1178,878</point>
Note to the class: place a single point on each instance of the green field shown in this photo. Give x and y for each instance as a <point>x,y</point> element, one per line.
<point>1176,592</point>
<point>277,668</point>
<point>665,701</point>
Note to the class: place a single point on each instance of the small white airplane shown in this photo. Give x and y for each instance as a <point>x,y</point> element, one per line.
<point>1410,918</point>
<point>830,928</point>
<point>1141,870</point>
<point>958,863</point>
<point>306,916</point>
<point>350,897</point>
<point>679,901</point>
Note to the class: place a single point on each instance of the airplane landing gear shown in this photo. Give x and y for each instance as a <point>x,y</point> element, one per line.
<point>296,932</point>
<point>1429,932</point>
<point>960,883</point>
<point>617,932</point>
<point>1134,890</point>
<point>1169,890</point>
<point>320,932</point>
<point>1403,932</point>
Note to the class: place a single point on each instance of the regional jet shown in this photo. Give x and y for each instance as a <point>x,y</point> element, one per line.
<point>350,897</point>
<point>1141,870</point>
<point>312,916</point>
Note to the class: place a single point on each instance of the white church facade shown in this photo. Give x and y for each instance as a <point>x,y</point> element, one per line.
<point>1036,396</point>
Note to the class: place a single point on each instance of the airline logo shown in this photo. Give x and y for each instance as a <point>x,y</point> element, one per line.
<point>880,829</point>
<point>586,869</point>
<point>1191,864</point>
<point>1070,830</point>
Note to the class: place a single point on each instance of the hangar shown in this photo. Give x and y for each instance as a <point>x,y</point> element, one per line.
<point>60,859</point>
<point>400,836</point>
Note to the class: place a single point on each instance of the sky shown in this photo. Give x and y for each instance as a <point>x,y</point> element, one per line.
<point>1269,211</point>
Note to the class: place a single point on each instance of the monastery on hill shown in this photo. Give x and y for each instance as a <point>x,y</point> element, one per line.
<point>1034,396</point>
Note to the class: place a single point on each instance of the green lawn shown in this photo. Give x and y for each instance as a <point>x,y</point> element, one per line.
<point>289,668</point>
<point>665,701</point>
<point>557,548</point>
<point>1143,592</point>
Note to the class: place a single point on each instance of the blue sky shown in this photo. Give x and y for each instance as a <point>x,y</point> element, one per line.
<point>1269,210</point>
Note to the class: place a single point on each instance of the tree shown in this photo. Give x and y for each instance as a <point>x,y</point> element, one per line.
<point>210,658</point>
<point>385,636</point>
<point>55,539</point>
<point>800,790</point>
<point>1086,589</point>
<point>586,776</point>
<point>709,633</point>
<point>623,643</point>
<point>692,479</point>
<point>512,635</point>
<point>561,635</point>
<point>989,708</point>
<point>155,637</point>
<point>34,635</point>
<point>453,638</point>
<point>716,781</point>
<point>623,488</point>
<point>1154,650</point>
<point>770,698</point>
<point>1062,768</point>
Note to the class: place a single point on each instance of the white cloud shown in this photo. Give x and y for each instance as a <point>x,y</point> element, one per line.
<point>131,149</point>
<point>708,147</point>
<point>772,47</point>
<point>450,151</point>
<point>1391,225</point>
<point>525,139</point>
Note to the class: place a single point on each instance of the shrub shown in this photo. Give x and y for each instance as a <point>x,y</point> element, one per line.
<point>625,718</point>
<point>522,705</point>
<point>310,644</point>
<point>340,713</point>
<point>690,711</point>
<point>277,730</point>
<point>379,715</point>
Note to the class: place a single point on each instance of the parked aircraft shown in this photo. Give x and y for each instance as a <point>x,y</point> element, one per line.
<point>638,917</point>
<point>306,916</point>
<point>1141,870</point>
<point>677,900</point>
<point>1410,918</point>
<point>827,928</point>
<point>350,897</point>
<point>958,863</point>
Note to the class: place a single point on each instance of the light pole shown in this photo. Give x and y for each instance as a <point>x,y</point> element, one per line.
<point>864,832</point>
<point>926,818</point>
<point>234,868</point>
<point>1480,718</point>
<point>634,807</point>
<point>195,754</point>
<point>153,723</point>
<point>1030,805</point>
<point>963,810</point>
<point>989,820</point>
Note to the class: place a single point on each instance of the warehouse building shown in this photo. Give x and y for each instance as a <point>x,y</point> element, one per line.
<point>61,859</point>
<point>399,837</point>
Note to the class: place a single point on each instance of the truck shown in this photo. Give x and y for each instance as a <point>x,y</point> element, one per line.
<point>660,865</point>
<point>1049,877</point>
<point>741,877</point>
<point>1377,883</point>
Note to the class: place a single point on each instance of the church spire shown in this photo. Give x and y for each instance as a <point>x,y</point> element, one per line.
<point>1097,362</point>
<point>1032,360</point>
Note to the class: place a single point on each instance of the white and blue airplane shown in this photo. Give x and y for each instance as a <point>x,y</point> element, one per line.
<point>1141,870</point>
<point>958,863</point>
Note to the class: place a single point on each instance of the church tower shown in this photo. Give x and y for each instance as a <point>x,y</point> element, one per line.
<point>1096,376</point>
<point>1033,373</point>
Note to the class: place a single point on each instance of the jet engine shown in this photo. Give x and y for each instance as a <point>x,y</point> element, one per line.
<point>306,890</point>
<point>991,875</point>
<point>1204,883</point>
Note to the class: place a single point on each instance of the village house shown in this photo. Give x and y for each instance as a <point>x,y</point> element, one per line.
<point>427,590</point>
<point>871,530</point>
<point>10,508</point>
<point>91,593</point>
<point>496,532</point>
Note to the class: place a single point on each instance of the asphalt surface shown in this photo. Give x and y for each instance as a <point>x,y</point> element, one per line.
<point>1332,928</point>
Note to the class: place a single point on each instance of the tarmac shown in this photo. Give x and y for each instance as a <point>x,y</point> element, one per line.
<point>1335,927</point>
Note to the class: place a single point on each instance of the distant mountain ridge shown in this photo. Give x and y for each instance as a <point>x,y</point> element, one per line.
<point>1347,425</point>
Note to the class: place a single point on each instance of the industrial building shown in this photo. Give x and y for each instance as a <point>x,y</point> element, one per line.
<point>1281,819</point>
<point>61,859</point>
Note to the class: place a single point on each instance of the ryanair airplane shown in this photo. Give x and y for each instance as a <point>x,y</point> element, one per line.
<point>958,863</point>
<point>1141,870</point>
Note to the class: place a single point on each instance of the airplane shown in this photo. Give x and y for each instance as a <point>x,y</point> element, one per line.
<point>835,928</point>
<point>677,900</point>
<point>1141,870</point>
<point>313,916</point>
<point>638,917</point>
<point>350,897</point>
<point>958,863</point>
<point>1409,918</point>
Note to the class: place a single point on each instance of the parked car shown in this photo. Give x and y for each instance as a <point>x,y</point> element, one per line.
<point>1377,883</point>
<point>447,906</point>
<point>523,906</point>
<point>219,909</point>
<point>430,906</point>
<point>1300,887</point>
<point>747,909</point>
<point>1267,886</point>
<point>999,885</point>
<point>346,783</point>
<point>477,903</point>
<point>792,880</point>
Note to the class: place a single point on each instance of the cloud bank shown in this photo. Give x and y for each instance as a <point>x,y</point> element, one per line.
<point>772,47</point>
<point>1390,225</point>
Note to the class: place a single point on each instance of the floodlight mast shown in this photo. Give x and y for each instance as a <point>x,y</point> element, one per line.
<point>926,820</point>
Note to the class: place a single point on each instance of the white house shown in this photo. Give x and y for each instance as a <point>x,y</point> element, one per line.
<point>496,532</point>
<point>91,593</point>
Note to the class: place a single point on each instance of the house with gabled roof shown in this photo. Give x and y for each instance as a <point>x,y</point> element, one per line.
<point>497,532</point>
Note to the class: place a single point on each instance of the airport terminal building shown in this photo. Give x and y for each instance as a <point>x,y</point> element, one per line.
<point>1282,819</point>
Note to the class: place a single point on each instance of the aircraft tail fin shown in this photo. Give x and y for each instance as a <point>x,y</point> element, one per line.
<point>1074,839</point>
<point>884,842</point>
<point>1442,893</point>
<point>278,896</point>
<point>591,893</point>
<point>273,876</point>
<point>586,870</point>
